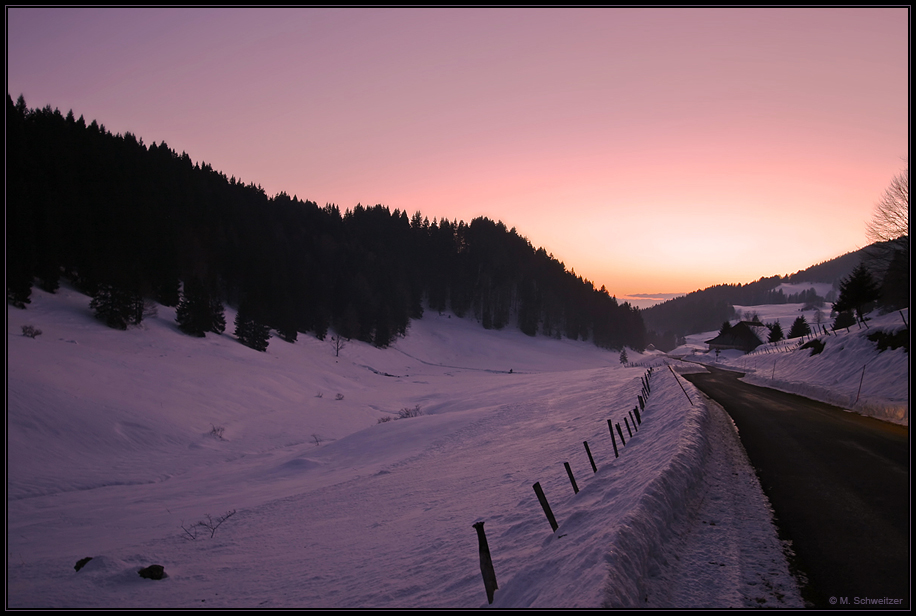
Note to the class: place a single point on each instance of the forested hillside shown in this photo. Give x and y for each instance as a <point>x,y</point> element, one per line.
<point>706,309</point>
<point>126,222</point>
<point>829,271</point>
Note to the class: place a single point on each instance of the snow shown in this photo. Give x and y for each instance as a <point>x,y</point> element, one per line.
<point>850,372</point>
<point>114,452</point>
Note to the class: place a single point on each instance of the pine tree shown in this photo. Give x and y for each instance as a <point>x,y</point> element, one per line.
<point>192,314</point>
<point>895,288</point>
<point>623,357</point>
<point>117,307</point>
<point>799,328</point>
<point>18,288</point>
<point>187,315</point>
<point>250,332</point>
<point>857,292</point>
<point>776,332</point>
<point>199,311</point>
<point>843,319</point>
<point>217,315</point>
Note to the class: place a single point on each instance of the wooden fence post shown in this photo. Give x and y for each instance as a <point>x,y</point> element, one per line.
<point>681,384</point>
<point>543,500</point>
<point>613,440</point>
<point>572,479</point>
<point>486,563</point>
<point>590,458</point>
<point>861,380</point>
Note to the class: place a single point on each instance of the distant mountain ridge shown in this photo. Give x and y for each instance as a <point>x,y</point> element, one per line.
<point>706,309</point>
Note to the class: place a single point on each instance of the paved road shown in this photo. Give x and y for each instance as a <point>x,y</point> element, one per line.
<point>839,484</point>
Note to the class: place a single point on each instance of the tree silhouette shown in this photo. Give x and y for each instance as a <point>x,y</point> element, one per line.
<point>890,223</point>
<point>199,311</point>
<point>889,230</point>
<point>895,287</point>
<point>117,307</point>
<point>844,319</point>
<point>776,332</point>
<point>799,328</point>
<point>104,210</point>
<point>337,343</point>
<point>857,292</point>
<point>250,332</point>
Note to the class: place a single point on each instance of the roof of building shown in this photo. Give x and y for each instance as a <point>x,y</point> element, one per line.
<point>742,335</point>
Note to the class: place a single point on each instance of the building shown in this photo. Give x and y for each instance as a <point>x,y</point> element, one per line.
<point>743,336</point>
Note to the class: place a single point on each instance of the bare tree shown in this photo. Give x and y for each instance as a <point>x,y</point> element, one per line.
<point>337,343</point>
<point>890,223</point>
<point>211,524</point>
<point>889,256</point>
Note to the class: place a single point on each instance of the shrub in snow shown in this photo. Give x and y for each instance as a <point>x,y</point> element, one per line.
<point>884,340</point>
<point>815,345</point>
<point>210,524</point>
<point>153,572</point>
<point>338,397</point>
<point>384,419</point>
<point>217,431</point>
<point>404,413</point>
<point>31,332</point>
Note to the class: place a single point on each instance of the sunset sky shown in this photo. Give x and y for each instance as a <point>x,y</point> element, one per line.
<point>650,149</point>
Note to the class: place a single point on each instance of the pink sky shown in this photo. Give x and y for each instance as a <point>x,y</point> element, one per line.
<point>649,149</point>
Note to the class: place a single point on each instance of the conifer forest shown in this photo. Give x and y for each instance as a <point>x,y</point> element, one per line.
<point>127,223</point>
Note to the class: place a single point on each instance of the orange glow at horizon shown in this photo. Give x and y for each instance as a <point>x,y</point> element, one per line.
<point>649,149</point>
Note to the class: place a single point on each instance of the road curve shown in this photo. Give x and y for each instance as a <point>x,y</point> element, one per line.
<point>839,485</point>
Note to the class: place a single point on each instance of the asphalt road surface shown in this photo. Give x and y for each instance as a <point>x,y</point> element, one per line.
<point>839,485</point>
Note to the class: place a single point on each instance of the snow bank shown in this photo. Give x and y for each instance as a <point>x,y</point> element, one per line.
<point>612,536</point>
<point>850,372</point>
<point>642,546</point>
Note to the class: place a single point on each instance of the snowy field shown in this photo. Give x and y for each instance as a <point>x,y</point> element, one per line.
<point>120,443</point>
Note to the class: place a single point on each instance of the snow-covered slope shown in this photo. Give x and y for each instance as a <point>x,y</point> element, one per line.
<point>850,372</point>
<point>119,443</point>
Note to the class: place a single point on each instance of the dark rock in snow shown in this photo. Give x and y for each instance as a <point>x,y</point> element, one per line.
<point>153,572</point>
